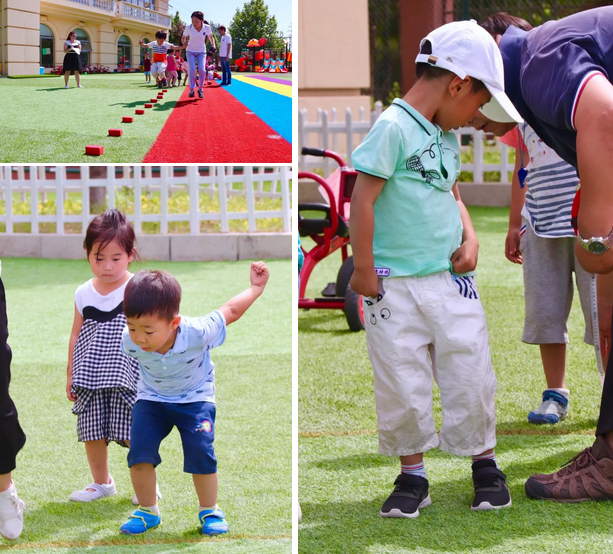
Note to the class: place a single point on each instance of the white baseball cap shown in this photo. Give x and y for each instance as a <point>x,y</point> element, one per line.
<point>466,49</point>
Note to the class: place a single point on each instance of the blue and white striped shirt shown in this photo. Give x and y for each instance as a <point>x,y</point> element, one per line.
<point>552,185</point>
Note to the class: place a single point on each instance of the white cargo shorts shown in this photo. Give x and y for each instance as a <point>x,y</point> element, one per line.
<point>425,327</point>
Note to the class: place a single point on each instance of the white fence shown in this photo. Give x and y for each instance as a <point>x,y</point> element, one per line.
<point>34,182</point>
<point>344,136</point>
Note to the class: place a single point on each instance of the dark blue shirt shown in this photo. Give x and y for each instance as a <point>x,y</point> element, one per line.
<point>544,68</point>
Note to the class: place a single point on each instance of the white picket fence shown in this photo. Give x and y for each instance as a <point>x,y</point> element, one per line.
<point>344,136</point>
<point>221,180</point>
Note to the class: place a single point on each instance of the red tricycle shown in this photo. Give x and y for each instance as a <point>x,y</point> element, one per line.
<point>330,233</point>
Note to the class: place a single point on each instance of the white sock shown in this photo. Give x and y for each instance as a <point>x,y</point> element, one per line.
<point>564,392</point>
<point>200,508</point>
<point>154,509</point>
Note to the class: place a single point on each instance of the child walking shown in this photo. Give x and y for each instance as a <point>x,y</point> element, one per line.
<point>171,68</point>
<point>147,67</point>
<point>160,53</point>
<point>177,388</point>
<point>414,251</point>
<point>101,379</point>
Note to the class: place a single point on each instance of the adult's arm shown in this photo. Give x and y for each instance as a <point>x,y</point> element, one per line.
<point>595,160</point>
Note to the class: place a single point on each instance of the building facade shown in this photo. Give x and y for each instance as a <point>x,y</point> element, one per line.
<point>33,32</point>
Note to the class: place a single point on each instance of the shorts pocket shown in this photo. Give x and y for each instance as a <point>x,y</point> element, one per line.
<point>466,286</point>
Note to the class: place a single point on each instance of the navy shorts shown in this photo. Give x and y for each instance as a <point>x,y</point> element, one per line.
<point>153,421</point>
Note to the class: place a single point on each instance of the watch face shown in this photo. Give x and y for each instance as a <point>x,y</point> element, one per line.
<point>597,247</point>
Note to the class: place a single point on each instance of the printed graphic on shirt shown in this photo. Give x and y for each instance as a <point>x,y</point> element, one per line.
<point>430,164</point>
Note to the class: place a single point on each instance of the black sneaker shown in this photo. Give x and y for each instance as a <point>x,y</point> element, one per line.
<point>200,95</point>
<point>491,490</point>
<point>191,93</point>
<point>410,494</point>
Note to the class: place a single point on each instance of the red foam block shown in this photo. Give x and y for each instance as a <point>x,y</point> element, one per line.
<point>115,132</point>
<point>148,105</point>
<point>139,112</point>
<point>154,100</point>
<point>93,150</point>
<point>127,119</point>
<point>164,90</point>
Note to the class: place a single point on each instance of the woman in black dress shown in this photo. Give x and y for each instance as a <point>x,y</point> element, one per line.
<point>72,59</point>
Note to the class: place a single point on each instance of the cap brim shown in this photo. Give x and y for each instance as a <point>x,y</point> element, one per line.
<point>500,108</point>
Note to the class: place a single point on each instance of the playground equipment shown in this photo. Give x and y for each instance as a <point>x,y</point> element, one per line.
<point>277,66</point>
<point>265,63</point>
<point>330,233</point>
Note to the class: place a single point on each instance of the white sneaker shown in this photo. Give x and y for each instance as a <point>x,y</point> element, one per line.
<point>11,513</point>
<point>552,410</point>
<point>80,86</point>
<point>66,86</point>
<point>157,493</point>
<point>99,491</point>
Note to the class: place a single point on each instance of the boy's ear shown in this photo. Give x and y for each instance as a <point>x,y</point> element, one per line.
<point>176,320</point>
<point>457,85</point>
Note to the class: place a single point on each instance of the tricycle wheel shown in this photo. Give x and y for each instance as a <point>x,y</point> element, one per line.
<point>343,277</point>
<point>353,309</point>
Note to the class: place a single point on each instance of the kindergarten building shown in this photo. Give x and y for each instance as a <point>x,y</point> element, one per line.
<point>32,32</point>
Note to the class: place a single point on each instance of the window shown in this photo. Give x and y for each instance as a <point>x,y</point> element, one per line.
<point>47,46</point>
<point>143,50</point>
<point>86,46</point>
<point>124,51</point>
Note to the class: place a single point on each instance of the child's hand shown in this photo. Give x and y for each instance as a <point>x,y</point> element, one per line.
<point>259,274</point>
<point>364,282</point>
<point>69,394</point>
<point>464,259</point>
<point>511,246</point>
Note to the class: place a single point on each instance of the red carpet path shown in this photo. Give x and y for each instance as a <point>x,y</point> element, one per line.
<point>216,129</point>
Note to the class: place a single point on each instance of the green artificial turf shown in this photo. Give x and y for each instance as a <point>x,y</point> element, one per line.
<point>343,480</point>
<point>253,427</point>
<point>43,122</point>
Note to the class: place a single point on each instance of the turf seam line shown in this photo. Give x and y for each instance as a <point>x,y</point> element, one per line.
<point>502,432</point>
<point>127,542</point>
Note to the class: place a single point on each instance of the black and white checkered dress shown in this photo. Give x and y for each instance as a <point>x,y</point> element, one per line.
<point>104,379</point>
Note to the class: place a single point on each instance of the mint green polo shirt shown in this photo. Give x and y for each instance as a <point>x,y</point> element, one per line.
<point>417,218</point>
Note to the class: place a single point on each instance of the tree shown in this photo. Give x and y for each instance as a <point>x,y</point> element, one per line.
<point>176,30</point>
<point>254,21</point>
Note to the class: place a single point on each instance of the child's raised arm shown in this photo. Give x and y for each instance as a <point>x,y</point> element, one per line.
<point>74,335</point>
<point>234,308</point>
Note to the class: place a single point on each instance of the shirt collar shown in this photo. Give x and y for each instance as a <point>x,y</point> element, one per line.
<point>424,123</point>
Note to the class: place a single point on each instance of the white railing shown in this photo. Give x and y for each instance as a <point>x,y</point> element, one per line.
<point>136,12</point>
<point>106,5</point>
<point>344,136</point>
<point>223,181</point>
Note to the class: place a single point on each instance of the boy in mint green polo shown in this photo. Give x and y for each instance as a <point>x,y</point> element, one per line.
<point>414,251</point>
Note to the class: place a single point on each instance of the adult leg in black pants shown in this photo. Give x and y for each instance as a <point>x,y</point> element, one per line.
<point>12,437</point>
<point>589,476</point>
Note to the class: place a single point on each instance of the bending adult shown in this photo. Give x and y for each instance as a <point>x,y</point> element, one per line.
<point>72,59</point>
<point>558,76</point>
<point>195,37</point>
<point>12,438</point>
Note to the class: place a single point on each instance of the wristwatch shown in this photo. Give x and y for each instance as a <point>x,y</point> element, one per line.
<point>596,245</point>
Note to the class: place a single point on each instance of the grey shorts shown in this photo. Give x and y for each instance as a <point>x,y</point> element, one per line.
<point>548,267</point>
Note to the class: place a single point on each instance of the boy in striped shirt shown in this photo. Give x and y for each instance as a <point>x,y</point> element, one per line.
<point>160,49</point>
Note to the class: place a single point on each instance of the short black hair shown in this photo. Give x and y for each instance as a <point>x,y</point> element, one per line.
<point>198,15</point>
<point>161,34</point>
<point>154,293</point>
<point>221,28</point>
<point>110,226</point>
<point>430,73</point>
<point>498,23</point>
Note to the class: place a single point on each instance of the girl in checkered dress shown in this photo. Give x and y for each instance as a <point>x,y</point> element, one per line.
<point>101,378</point>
